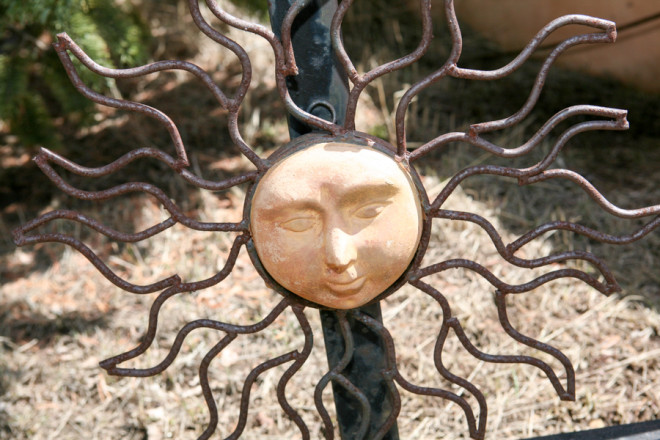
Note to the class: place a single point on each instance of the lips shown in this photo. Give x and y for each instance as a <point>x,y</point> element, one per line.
<point>346,286</point>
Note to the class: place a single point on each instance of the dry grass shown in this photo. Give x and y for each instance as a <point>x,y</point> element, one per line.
<point>59,317</point>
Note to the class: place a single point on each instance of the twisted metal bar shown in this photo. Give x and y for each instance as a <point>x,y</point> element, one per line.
<point>92,223</point>
<point>247,386</point>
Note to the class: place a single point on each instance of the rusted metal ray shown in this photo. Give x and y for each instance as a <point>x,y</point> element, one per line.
<point>21,240</point>
<point>338,43</point>
<point>440,141</point>
<point>111,363</point>
<point>303,116</point>
<point>415,89</point>
<point>285,33</point>
<point>458,380</point>
<point>606,288</point>
<point>452,322</point>
<point>140,153</point>
<point>328,427</point>
<point>608,36</point>
<point>406,60</point>
<point>206,387</point>
<point>237,138</point>
<point>539,82</point>
<point>522,173</point>
<point>591,192</point>
<point>569,391</point>
<point>396,409</point>
<point>130,187</point>
<point>154,67</point>
<point>66,214</point>
<point>365,407</point>
<point>437,357</point>
<point>300,359</point>
<point>393,374</point>
<point>473,138</point>
<point>508,253</point>
<point>244,59</point>
<point>379,328</point>
<point>562,392</point>
<point>281,67</point>
<point>226,269</point>
<point>162,118</point>
<point>443,394</point>
<point>335,375</point>
<point>362,81</point>
<point>180,338</point>
<point>585,231</point>
<point>388,374</point>
<point>247,387</point>
<point>617,115</point>
<point>620,123</point>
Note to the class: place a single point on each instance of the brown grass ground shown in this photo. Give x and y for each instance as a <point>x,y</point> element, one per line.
<point>59,317</point>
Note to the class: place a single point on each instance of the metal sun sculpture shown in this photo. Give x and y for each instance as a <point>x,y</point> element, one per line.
<point>327,234</point>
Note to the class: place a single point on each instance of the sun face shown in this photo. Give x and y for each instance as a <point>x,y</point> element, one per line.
<point>338,219</point>
<point>336,223</point>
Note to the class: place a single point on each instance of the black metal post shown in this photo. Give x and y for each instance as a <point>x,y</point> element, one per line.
<point>321,88</point>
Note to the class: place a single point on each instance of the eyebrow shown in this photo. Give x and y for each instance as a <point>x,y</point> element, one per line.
<point>369,192</point>
<point>291,208</point>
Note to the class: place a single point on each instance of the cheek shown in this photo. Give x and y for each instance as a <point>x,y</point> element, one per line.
<point>290,256</point>
<point>388,246</point>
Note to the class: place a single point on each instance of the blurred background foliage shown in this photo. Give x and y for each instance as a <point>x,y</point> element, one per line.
<point>34,88</point>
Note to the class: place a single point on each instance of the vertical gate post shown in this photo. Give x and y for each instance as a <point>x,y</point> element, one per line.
<point>321,88</point>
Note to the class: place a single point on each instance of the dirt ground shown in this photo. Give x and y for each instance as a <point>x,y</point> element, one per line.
<point>59,317</point>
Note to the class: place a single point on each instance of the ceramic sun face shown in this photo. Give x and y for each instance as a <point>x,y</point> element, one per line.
<point>336,223</point>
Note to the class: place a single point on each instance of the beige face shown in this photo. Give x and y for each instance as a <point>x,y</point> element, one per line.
<point>336,223</point>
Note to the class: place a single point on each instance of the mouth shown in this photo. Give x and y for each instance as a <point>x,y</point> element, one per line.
<point>346,287</point>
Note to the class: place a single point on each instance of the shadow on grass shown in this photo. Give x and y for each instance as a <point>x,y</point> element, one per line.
<point>20,324</point>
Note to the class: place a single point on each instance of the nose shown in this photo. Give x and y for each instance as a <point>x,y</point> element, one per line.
<point>340,251</point>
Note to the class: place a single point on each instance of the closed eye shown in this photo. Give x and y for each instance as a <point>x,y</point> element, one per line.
<point>370,210</point>
<point>299,224</point>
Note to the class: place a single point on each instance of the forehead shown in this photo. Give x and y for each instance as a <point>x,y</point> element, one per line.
<point>334,167</point>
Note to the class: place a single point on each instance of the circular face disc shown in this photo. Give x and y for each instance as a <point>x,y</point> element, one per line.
<point>336,223</point>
